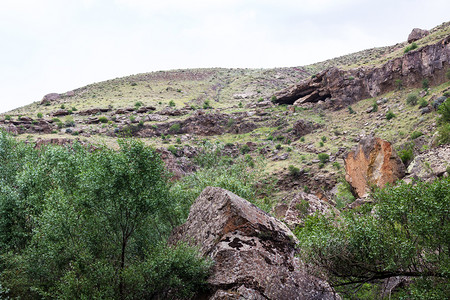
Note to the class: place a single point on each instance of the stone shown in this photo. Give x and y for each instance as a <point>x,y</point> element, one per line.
<point>60,112</point>
<point>302,127</point>
<point>253,253</point>
<point>438,102</point>
<point>430,165</point>
<point>372,162</point>
<point>425,110</point>
<point>416,34</point>
<point>50,98</point>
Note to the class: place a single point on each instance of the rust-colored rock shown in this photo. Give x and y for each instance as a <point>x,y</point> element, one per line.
<point>340,88</point>
<point>372,161</point>
<point>254,253</point>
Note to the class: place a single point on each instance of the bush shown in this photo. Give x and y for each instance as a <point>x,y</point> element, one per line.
<point>336,165</point>
<point>173,149</point>
<point>321,144</point>
<point>412,99</point>
<point>206,104</point>
<point>410,47</point>
<point>39,115</point>
<point>361,247</point>
<point>74,108</point>
<point>390,115</point>
<point>294,171</point>
<point>278,146</point>
<point>7,117</point>
<point>273,99</point>
<point>425,83</point>
<point>398,83</point>
<point>406,154</point>
<point>171,103</point>
<point>240,105</point>
<point>447,74</point>
<point>175,128</point>
<point>302,139</point>
<point>374,106</point>
<point>416,134</point>
<point>324,139</point>
<point>245,149</point>
<point>103,119</point>
<point>351,111</point>
<point>138,104</point>
<point>323,157</point>
<point>423,103</point>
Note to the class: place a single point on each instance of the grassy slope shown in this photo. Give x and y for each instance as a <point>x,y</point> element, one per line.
<point>219,86</point>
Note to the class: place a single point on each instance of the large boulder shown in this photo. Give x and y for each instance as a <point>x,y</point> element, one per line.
<point>253,253</point>
<point>416,34</point>
<point>372,162</point>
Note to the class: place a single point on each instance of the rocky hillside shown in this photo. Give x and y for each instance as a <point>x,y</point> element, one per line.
<point>323,135</point>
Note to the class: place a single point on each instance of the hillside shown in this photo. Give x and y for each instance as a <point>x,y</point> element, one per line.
<point>299,130</point>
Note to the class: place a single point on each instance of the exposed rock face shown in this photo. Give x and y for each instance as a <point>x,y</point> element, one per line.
<point>92,111</point>
<point>339,88</point>
<point>430,165</point>
<point>372,161</point>
<point>302,127</point>
<point>253,252</point>
<point>416,34</point>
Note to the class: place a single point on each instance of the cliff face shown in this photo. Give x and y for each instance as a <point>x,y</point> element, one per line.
<point>339,88</point>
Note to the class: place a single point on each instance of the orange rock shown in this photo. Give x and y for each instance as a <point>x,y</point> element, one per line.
<point>372,162</point>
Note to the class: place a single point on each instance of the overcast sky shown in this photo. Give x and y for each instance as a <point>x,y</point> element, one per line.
<point>59,45</point>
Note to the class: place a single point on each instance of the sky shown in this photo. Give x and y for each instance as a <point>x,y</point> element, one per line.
<point>51,46</point>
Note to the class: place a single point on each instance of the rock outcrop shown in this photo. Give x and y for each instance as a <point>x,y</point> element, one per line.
<point>339,88</point>
<point>253,253</point>
<point>416,34</point>
<point>430,165</point>
<point>295,208</point>
<point>50,98</point>
<point>372,162</point>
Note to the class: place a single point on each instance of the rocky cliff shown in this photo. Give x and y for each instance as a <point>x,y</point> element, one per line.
<point>339,88</point>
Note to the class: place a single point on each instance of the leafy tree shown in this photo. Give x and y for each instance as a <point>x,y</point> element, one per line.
<point>406,233</point>
<point>86,220</point>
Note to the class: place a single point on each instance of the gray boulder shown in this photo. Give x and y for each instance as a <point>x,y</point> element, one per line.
<point>253,253</point>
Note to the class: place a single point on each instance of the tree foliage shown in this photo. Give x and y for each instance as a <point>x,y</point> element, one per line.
<point>406,233</point>
<point>77,224</point>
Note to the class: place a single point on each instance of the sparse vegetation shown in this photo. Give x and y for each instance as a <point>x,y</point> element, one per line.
<point>294,171</point>
<point>175,128</point>
<point>416,134</point>
<point>172,103</point>
<point>351,111</point>
<point>410,48</point>
<point>103,119</point>
<point>39,115</point>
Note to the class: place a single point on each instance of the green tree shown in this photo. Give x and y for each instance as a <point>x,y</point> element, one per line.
<point>406,233</point>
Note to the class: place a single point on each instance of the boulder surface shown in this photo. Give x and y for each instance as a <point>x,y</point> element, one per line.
<point>253,253</point>
<point>372,162</point>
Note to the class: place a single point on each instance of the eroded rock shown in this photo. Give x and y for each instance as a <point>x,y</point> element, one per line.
<point>416,34</point>
<point>428,166</point>
<point>254,253</point>
<point>372,162</point>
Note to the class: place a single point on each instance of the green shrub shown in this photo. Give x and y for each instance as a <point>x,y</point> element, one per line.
<point>398,83</point>
<point>324,139</point>
<point>206,104</point>
<point>374,106</point>
<point>7,117</point>
<point>321,144</point>
<point>278,146</point>
<point>175,128</point>
<point>133,84</point>
<point>406,155</point>
<point>74,108</point>
<point>138,104</point>
<point>447,74</point>
<point>230,122</point>
<point>240,105</point>
<point>444,134</point>
<point>173,149</point>
<point>302,206</point>
<point>412,99</point>
<point>446,94</point>
<point>294,171</point>
<point>132,118</point>
<point>416,134</point>
<point>171,103</point>
<point>39,115</point>
<point>336,165</point>
<point>62,106</point>
<point>423,103</point>
<point>390,114</point>
<point>425,83</point>
<point>270,138</point>
<point>410,48</point>
<point>302,139</point>
<point>261,99</point>
<point>273,99</point>
<point>245,149</point>
<point>103,119</point>
<point>178,140</point>
<point>323,157</point>
<point>351,111</point>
